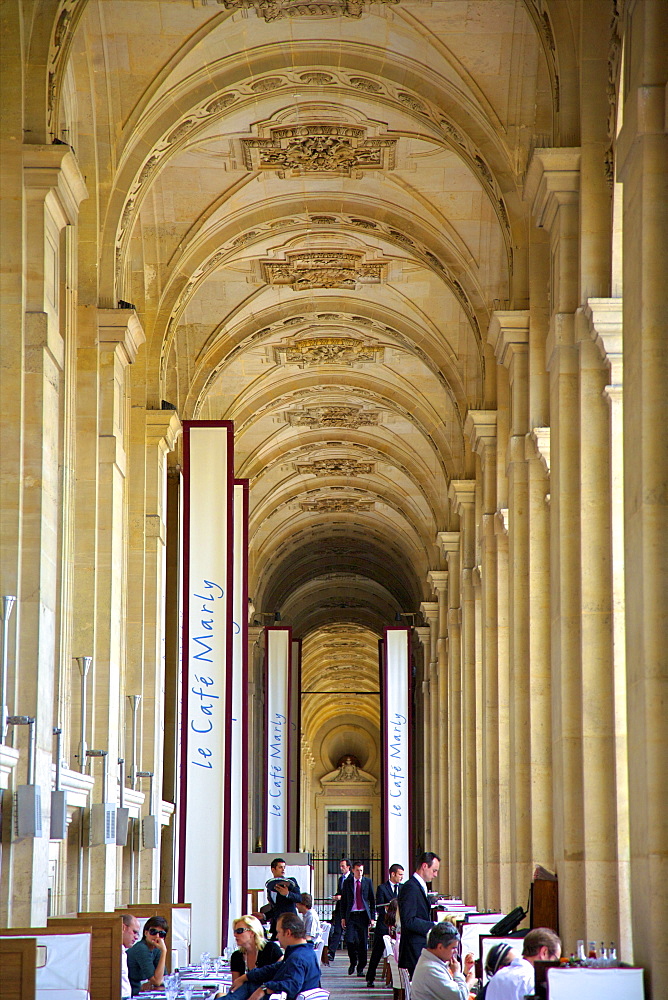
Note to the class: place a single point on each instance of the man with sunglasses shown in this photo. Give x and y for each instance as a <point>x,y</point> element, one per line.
<point>146,958</point>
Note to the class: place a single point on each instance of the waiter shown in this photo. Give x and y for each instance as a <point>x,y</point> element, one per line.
<point>336,930</point>
<point>283,894</point>
<point>385,893</point>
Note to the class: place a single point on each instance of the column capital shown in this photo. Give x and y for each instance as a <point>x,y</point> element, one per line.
<point>255,633</point>
<point>438,578</point>
<point>552,180</point>
<point>508,334</point>
<point>480,428</point>
<point>461,495</point>
<point>605,326</point>
<point>423,633</point>
<point>163,425</point>
<point>540,436</point>
<point>53,172</point>
<point>120,328</point>
<point>448,540</point>
<point>429,611</point>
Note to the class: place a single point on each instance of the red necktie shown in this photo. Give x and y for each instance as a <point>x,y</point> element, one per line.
<point>358,894</point>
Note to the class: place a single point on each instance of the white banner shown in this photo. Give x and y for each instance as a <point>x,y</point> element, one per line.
<point>277,723</point>
<point>396,748</point>
<point>207,648</point>
<point>238,819</point>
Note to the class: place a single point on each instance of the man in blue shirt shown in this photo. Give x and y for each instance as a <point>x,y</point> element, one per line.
<point>298,970</point>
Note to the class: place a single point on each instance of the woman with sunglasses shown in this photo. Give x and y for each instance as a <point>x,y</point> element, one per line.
<point>253,950</point>
<point>146,958</point>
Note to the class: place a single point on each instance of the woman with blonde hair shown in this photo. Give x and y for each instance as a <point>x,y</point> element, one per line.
<point>253,951</point>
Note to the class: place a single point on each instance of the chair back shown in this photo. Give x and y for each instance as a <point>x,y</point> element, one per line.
<point>405,983</point>
<point>322,941</point>
<point>316,994</point>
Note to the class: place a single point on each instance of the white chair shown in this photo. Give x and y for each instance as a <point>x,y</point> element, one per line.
<point>395,972</point>
<point>316,994</point>
<point>322,940</point>
<point>405,983</point>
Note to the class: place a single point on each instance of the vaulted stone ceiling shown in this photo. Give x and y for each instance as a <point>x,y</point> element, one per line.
<point>315,209</point>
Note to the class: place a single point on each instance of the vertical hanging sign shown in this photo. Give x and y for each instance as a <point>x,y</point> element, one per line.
<point>396,726</point>
<point>277,734</point>
<point>207,657</point>
<point>238,816</point>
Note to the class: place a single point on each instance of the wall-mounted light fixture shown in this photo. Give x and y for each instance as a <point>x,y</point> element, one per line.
<point>122,813</point>
<point>102,814</point>
<point>58,797</point>
<point>29,796</point>
<point>150,827</point>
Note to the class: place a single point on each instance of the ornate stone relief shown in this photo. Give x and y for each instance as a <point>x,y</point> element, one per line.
<point>302,270</point>
<point>318,148</point>
<point>329,350</point>
<point>335,467</point>
<point>68,14</point>
<point>273,10</point>
<point>333,416</point>
<point>614,66</point>
<point>330,505</point>
<point>541,19</point>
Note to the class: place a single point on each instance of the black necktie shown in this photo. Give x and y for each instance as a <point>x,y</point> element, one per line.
<point>394,891</point>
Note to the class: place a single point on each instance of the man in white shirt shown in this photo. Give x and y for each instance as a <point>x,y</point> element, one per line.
<point>438,975</point>
<point>312,924</point>
<point>130,935</point>
<point>516,980</point>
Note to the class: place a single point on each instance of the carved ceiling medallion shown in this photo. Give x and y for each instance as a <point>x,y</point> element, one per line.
<point>304,270</point>
<point>273,10</point>
<point>336,467</point>
<point>300,149</point>
<point>333,416</point>
<point>328,351</point>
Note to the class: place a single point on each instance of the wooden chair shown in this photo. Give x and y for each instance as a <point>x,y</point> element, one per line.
<point>18,962</point>
<point>106,944</point>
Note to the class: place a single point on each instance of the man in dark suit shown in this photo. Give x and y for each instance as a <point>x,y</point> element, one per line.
<point>358,910</point>
<point>337,930</point>
<point>385,893</point>
<point>415,911</point>
<point>283,894</point>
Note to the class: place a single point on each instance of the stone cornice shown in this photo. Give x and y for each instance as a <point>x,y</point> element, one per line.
<point>166,812</point>
<point>9,758</point>
<point>552,180</point>
<point>78,786</point>
<point>120,328</point>
<point>508,334</point>
<point>480,429</point>
<point>163,424</point>
<point>605,323</point>
<point>461,494</point>
<point>54,171</point>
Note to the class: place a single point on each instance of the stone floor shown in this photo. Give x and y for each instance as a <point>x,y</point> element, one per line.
<point>335,978</point>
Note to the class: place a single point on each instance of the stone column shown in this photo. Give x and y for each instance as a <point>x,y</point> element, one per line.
<point>480,428</point>
<point>509,336</point>
<point>439,582</point>
<point>596,623</point>
<point>255,734</point>
<point>642,166</point>
<point>503,703</point>
<point>450,542</point>
<point>53,190</point>
<point>552,187</point>
<point>462,500</point>
<point>604,320</point>
<point>430,613</point>
<point>119,337</point>
<point>162,430</point>
<point>540,679</point>
<point>423,633</point>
